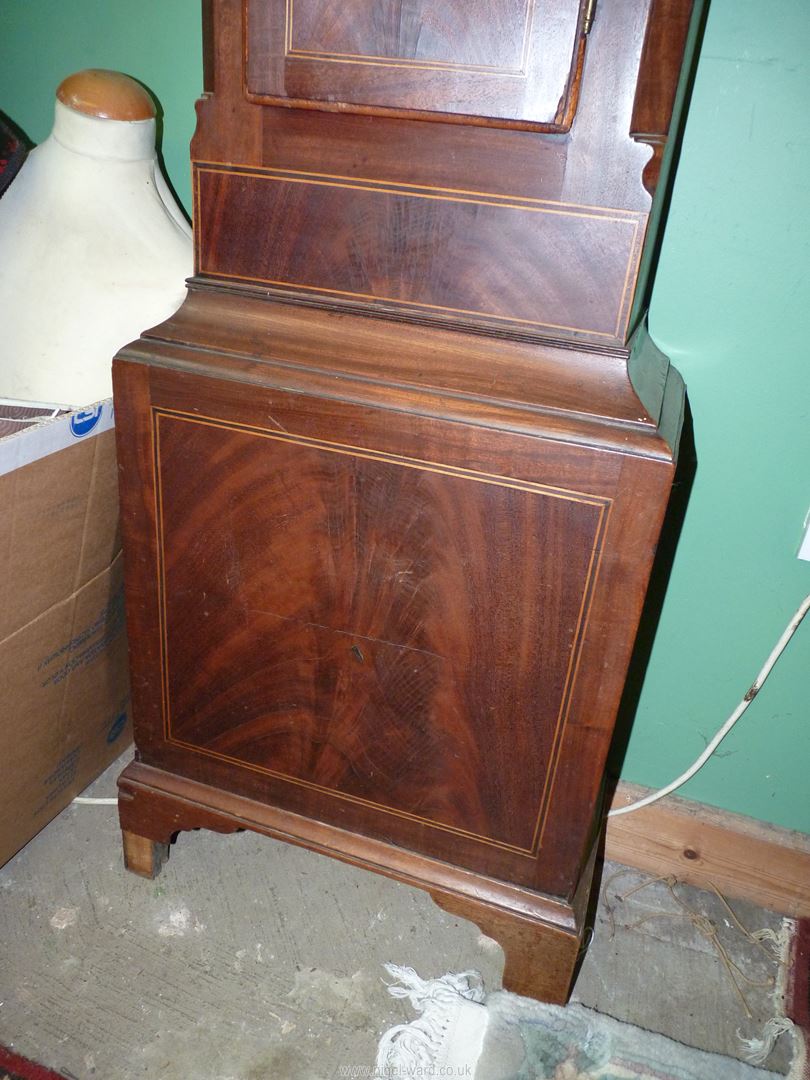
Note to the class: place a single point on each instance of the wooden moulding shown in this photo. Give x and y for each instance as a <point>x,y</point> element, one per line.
<point>379,182</point>
<point>698,844</point>
<point>541,936</point>
<point>226,334</point>
<point>704,846</point>
<point>661,58</point>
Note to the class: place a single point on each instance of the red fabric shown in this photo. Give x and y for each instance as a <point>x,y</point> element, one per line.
<point>798,995</point>
<point>19,1068</point>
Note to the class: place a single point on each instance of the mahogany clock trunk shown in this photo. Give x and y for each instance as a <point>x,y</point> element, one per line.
<point>393,476</point>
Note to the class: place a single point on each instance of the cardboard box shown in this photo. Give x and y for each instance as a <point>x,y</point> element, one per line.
<point>64,691</point>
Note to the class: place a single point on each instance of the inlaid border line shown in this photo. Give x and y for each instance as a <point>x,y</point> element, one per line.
<point>631,218</point>
<point>603,503</point>
<point>371,60</point>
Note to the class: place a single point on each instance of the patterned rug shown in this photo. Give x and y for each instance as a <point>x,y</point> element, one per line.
<point>463,1032</point>
<point>14,1067</point>
<point>575,1043</point>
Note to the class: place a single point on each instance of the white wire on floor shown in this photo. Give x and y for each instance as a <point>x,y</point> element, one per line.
<point>778,649</point>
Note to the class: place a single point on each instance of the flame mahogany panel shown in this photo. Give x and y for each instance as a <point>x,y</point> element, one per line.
<point>346,637</point>
<point>464,60</point>
<point>551,267</point>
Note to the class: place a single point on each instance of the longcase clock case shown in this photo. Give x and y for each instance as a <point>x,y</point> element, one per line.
<point>393,476</point>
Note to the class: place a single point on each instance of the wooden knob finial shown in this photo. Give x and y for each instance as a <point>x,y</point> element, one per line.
<point>109,95</point>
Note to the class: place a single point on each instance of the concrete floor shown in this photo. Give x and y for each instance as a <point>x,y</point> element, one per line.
<point>249,959</point>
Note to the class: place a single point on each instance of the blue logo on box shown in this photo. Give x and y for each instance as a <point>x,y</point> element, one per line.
<point>83,421</point>
<point>116,727</point>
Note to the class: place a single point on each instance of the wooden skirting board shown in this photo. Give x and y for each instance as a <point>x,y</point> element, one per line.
<point>699,844</point>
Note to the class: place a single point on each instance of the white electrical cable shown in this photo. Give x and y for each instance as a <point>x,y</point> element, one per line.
<point>86,800</point>
<point>654,796</point>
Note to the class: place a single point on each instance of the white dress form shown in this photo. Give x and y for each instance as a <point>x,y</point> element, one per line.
<point>93,248</point>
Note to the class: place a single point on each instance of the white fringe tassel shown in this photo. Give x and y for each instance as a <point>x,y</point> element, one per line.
<point>409,1049</point>
<point>757,1051</point>
<point>779,939</point>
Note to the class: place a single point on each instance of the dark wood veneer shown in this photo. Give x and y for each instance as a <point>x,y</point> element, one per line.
<point>228,517</point>
<point>578,272</point>
<point>516,64</point>
<point>392,478</point>
<point>343,226</point>
<point>373,626</point>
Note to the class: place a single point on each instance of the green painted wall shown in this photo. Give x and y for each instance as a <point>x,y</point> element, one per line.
<point>730,305</point>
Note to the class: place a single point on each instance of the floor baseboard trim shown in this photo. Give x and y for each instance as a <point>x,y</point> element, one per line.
<point>700,844</point>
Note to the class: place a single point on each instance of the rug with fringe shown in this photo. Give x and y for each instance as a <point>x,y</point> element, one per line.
<point>461,1032</point>
<point>575,1043</point>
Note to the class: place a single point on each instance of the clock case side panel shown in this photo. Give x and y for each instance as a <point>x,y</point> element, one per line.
<point>639,489</point>
<point>137,494</point>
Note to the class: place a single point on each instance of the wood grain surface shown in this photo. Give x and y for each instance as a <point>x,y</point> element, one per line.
<point>347,640</point>
<point>384,617</point>
<point>382,202</point>
<point>553,268</point>
<point>706,846</point>
<point>393,477</point>
<point>464,60</point>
